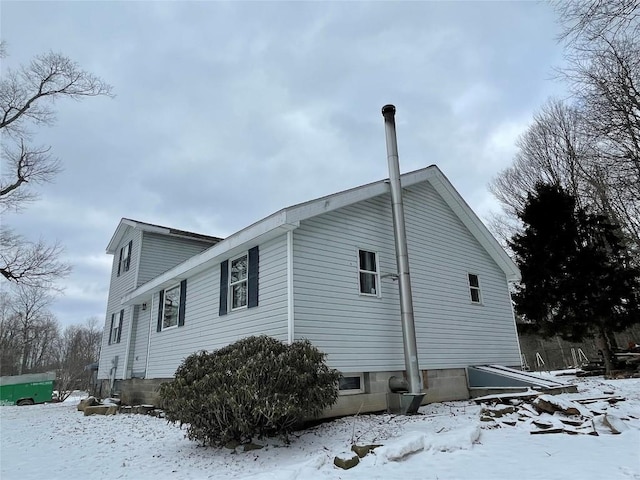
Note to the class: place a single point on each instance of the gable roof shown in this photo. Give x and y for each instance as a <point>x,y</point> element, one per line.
<point>289,218</point>
<point>127,223</point>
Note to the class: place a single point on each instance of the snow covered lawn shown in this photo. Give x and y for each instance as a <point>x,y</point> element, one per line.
<point>447,441</point>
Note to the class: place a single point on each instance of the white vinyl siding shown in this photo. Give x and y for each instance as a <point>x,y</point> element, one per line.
<point>162,252</point>
<point>204,329</point>
<point>363,335</point>
<point>151,255</point>
<point>119,285</point>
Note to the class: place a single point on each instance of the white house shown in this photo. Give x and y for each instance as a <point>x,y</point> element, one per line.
<point>323,270</point>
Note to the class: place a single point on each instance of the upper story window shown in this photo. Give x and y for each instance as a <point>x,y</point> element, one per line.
<point>172,306</point>
<point>474,288</point>
<point>239,282</point>
<point>238,277</point>
<point>115,333</point>
<point>125,258</point>
<point>369,277</point>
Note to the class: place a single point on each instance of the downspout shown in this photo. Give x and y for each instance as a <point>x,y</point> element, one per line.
<point>290,324</point>
<point>402,256</point>
<point>146,364</point>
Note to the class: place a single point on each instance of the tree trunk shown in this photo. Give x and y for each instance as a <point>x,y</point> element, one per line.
<point>605,348</point>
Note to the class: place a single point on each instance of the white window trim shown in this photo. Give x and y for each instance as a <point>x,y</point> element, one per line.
<point>378,293</point>
<point>115,320</point>
<point>478,288</point>
<point>230,284</point>
<point>124,261</point>
<point>164,299</point>
<point>353,391</point>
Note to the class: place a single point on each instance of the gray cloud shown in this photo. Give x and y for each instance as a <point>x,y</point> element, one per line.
<point>228,111</point>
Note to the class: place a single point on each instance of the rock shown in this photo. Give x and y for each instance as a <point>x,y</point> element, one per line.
<point>500,410</point>
<point>362,450</point>
<point>544,424</point>
<point>87,402</point>
<point>145,409</point>
<point>545,403</point>
<point>232,444</point>
<point>101,410</point>
<point>614,423</point>
<point>346,460</point>
<point>247,447</point>
<point>126,409</point>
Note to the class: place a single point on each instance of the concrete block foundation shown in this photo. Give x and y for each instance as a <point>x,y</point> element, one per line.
<point>441,385</point>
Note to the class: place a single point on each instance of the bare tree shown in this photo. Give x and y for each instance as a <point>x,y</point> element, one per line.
<point>78,347</point>
<point>27,96</point>
<point>589,144</point>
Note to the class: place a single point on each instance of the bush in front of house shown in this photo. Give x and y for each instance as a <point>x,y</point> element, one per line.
<point>253,388</point>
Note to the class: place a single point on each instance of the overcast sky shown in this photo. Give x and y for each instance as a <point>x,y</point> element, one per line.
<point>226,112</point>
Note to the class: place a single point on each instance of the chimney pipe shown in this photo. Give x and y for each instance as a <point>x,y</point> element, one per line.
<point>402,257</point>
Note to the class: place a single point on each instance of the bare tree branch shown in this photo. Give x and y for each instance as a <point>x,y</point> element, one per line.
<point>24,167</point>
<point>28,92</point>
<point>26,98</point>
<point>30,264</point>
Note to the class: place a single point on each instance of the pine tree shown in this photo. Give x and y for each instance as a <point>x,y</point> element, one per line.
<point>578,279</point>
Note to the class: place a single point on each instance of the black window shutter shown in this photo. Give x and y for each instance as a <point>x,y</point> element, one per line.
<point>252,278</point>
<point>111,329</point>
<point>120,262</point>
<point>120,326</point>
<point>129,255</point>
<point>183,299</point>
<point>160,302</point>
<point>224,287</point>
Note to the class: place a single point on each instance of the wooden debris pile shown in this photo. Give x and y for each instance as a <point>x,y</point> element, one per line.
<point>544,413</point>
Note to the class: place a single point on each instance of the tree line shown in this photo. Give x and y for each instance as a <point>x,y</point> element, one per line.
<point>571,198</point>
<point>32,341</point>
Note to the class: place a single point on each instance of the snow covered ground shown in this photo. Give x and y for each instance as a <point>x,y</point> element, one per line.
<point>447,441</point>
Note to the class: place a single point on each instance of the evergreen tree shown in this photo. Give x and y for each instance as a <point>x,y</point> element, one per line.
<point>577,276</point>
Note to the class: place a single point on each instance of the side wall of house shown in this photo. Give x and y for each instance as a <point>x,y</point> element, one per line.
<point>151,255</point>
<point>363,333</point>
<point>205,329</point>
<point>112,355</point>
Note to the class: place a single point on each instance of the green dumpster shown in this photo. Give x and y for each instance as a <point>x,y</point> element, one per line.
<point>26,389</point>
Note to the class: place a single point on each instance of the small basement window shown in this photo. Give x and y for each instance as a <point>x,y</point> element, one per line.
<point>351,384</point>
<point>474,288</point>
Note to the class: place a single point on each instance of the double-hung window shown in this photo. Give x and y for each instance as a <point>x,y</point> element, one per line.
<point>474,288</point>
<point>115,332</point>
<point>238,281</point>
<point>125,258</point>
<point>369,274</point>
<point>172,306</point>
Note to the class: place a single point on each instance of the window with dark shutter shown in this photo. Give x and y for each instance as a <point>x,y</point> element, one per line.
<point>125,258</point>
